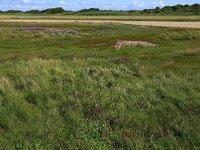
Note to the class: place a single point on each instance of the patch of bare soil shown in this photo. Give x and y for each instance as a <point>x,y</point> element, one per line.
<point>143,23</point>
<point>120,44</point>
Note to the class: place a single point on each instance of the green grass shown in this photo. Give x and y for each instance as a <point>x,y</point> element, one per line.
<point>76,91</point>
<point>119,17</point>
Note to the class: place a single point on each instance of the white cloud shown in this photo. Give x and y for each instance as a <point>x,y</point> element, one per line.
<point>157,4</point>
<point>150,4</point>
<point>138,4</point>
<point>26,1</point>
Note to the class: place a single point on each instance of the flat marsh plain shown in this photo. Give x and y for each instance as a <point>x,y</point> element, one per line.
<point>193,18</point>
<point>76,91</point>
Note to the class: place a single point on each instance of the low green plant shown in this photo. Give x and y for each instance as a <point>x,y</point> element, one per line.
<point>76,91</point>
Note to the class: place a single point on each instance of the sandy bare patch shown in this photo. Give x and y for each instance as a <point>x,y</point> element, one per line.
<point>143,23</point>
<point>120,44</point>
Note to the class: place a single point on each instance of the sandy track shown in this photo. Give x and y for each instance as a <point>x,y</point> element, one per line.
<point>143,23</point>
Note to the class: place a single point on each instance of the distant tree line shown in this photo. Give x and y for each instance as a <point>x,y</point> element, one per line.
<point>176,9</point>
<point>46,11</point>
<point>195,8</point>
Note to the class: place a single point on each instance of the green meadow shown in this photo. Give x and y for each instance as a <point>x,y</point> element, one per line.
<point>125,17</point>
<point>77,91</point>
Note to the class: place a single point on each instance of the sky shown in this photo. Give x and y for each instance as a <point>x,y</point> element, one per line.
<point>83,4</point>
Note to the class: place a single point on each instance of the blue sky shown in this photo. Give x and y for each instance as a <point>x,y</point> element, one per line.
<point>81,4</point>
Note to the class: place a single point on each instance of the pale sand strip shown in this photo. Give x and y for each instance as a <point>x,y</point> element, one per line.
<point>143,23</point>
